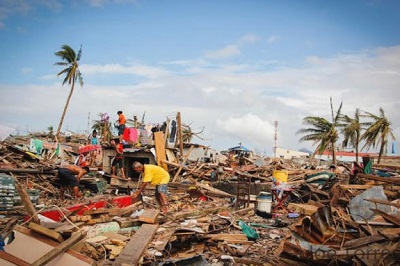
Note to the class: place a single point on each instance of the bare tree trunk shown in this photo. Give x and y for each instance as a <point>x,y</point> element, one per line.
<point>65,110</point>
<point>382,148</point>
<point>333,154</point>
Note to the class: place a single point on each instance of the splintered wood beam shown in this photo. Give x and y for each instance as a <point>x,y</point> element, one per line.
<point>385,202</point>
<point>135,248</point>
<point>387,217</point>
<point>160,149</point>
<point>13,259</point>
<point>26,201</point>
<point>52,254</point>
<point>391,180</point>
<point>186,157</point>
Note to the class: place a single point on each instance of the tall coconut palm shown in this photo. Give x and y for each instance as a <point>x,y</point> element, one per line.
<point>378,132</point>
<point>323,133</point>
<point>71,71</point>
<point>351,129</point>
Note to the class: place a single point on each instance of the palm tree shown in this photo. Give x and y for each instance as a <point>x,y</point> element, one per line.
<point>69,60</point>
<point>322,132</point>
<point>378,132</point>
<point>351,129</point>
<point>103,126</point>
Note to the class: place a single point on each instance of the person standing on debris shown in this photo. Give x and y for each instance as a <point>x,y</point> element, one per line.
<point>121,125</point>
<point>118,159</point>
<point>93,138</point>
<point>157,176</point>
<point>70,176</point>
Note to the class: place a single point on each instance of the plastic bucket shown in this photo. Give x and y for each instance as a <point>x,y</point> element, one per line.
<point>264,202</point>
<point>280,175</point>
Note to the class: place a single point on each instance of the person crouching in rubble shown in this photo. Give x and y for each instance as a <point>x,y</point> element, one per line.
<point>69,177</point>
<point>157,176</point>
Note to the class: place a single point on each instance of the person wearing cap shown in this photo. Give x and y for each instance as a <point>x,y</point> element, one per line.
<point>70,176</point>
<point>121,124</point>
<point>157,176</point>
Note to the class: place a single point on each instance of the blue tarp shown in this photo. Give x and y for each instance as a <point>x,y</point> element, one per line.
<point>239,148</point>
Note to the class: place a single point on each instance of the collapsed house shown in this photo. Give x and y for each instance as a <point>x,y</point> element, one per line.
<point>260,211</point>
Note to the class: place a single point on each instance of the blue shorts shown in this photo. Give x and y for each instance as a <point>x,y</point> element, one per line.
<point>163,188</point>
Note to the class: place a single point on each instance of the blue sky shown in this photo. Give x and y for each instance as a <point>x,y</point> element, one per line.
<point>234,67</point>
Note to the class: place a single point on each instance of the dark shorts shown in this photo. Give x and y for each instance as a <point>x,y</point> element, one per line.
<point>121,129</point>
<point>67,178</point>
<point>118,161</point>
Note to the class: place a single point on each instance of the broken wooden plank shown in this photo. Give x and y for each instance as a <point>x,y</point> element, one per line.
<point>391,180</point>
<point>358,242</point>
<point>385,202</point>
<point>186,157</point>
<point>387,217</point>
<point>13,259</point>
<point>159,143</point>
<point>135,248</point>
<point>52,234</point>
<point>49,256</point>
<point>149,216</point>
<point>199,212</point>
<point>26,201</point>
<point>227,237</point>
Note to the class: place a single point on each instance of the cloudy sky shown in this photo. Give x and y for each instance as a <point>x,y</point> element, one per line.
<point>231,66</point>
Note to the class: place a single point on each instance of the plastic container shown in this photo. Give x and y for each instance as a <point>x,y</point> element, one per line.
<point>280,175</point>
<point>264,202</point>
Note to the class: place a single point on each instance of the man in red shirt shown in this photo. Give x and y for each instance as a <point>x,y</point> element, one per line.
<point>118,159</point>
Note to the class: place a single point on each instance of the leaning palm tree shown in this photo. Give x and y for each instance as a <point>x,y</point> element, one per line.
<point>378,132</point>
<point>323,133</point>
<point>71,71</point>
<point>351,130</point>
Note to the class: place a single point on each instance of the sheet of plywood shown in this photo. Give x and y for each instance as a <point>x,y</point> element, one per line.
<point>26,238</point>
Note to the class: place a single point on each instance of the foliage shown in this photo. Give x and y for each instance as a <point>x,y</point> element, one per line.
<point>321,132</point>
<point>71,73</point>
<point>378,132</point>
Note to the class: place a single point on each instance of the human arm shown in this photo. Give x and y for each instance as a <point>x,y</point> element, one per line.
<point>139,191</point>
<point>78,171</point>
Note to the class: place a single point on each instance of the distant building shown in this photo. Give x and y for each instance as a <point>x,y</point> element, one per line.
<point>344,156</point>
<point>290,154</point>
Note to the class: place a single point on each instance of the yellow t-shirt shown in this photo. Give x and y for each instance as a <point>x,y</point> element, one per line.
<point>156,175</point>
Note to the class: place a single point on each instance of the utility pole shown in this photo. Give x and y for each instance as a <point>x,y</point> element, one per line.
<point>275,137</point>
<point>88,123</point>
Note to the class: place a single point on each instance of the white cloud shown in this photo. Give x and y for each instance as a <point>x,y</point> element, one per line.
<point>273,39</point>
<point>227,51</point>
<point>236,103</point>
<point>248,38</point>
<point>136,69</point>
<point>26,70</point>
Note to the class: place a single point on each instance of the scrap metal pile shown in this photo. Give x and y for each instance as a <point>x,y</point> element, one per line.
<point>324,220</point>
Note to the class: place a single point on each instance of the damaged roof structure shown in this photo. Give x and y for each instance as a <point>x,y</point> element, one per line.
<point>224,210</point>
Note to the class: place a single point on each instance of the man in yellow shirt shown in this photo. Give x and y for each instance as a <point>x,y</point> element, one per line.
<point>157,176</point>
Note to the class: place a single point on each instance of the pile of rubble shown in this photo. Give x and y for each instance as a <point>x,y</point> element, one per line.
<point>214,219</point>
